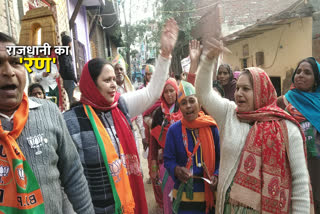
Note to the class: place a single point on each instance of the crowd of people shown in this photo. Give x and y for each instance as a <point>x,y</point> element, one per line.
<point>223,146</point>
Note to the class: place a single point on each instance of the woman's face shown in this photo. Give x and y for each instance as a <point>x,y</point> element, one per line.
<point>106,83</point>
<point>37,92</point>
<point>189,107</point>
<point>244,94</point>
<point>304,78</point>
<point>169,94</point>
<point>223,76</point>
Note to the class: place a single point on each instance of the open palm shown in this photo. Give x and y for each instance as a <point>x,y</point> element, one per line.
<point>169,37</point>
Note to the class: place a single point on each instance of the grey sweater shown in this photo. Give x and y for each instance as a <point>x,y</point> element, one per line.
<point>48,148</point>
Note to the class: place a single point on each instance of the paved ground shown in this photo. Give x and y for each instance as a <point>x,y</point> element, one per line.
<point>152,205</point>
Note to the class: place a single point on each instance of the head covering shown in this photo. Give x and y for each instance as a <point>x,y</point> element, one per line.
<point>90,94</point>
<point>257,163</point>
<point>91,97</point>
<point>159,131</point>
<point>307,103</point>
<point>229,88</point>
<point>66,40</point>
<point>185,89</point>
<point>127,83</point>
<point>149,68</point>
<point>119,60</point>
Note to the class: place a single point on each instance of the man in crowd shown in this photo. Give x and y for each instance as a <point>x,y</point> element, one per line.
<point>123,86</point>
<point>37,155</point>
<point>66,69</point>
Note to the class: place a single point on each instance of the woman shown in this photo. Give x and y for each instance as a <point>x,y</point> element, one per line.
<point>263,168</point>
<point>303,103</point>
<point>228,82</point>
<point>163,117</point>
<point>101,131</point>
<point>36,90</point>
<point>192,152</point>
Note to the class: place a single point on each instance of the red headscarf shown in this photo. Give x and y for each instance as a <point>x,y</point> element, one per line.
<point>159,132</point>
<point>90,95</point>
<point>264,170</point>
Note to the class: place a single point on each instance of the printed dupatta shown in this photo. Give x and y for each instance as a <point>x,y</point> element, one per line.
<point>264,171</point>
<point>19,188</point>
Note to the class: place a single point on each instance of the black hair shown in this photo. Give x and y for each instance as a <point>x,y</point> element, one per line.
<point>226,66</point>
<point>66,40</point>
<point>5,38</point>
<point>33,86</point>
<point>177,77</point>
<point>95,67</point>
<point>312,61</point>
<point>217,85</point>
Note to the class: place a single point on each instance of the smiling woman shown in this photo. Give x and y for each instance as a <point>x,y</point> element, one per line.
<point>101,130</point>
<point>303,103</point>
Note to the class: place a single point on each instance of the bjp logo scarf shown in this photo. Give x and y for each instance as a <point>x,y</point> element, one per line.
<point>19,189</point>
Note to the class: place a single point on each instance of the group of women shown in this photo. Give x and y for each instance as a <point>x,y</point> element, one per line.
<point>241,156</point>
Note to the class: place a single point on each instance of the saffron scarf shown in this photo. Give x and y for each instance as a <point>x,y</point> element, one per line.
<point>115,165</point>
<point>206,141</point>
<point>264,171</point>
<point>19,188</point>
<point>159,132</point>
<point>90,95</point>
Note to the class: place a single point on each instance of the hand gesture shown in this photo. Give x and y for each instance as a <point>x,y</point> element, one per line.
<point>182,173</point>
<point>214,183</point>
<point>214,48</point>
<point>194,50</point>
<point>168,37</point>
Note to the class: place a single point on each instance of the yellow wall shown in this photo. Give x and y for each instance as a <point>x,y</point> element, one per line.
<point>295,39</point>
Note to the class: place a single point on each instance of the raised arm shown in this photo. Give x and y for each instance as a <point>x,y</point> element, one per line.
<point>141,100</point>
<point>212,102</point>
<point>194,53</point>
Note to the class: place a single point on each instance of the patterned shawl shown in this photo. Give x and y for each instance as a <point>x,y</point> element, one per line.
<point>264,172</point>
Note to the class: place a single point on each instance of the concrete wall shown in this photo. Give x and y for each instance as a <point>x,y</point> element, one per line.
<point>316,29</point>
<point>11,16</point>
<point>82,26</point>
<point>283,48</point>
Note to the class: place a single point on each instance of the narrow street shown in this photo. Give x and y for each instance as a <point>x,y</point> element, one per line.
<point>153,208</point>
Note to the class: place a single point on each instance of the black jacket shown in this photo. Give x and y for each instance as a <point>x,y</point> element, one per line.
<point>66,68</point>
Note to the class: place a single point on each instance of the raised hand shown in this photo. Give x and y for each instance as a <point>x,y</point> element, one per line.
<point>194,50</point>
<point>169,37</point>
<point>213,48</point>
